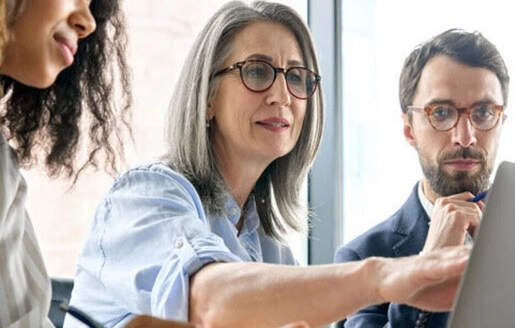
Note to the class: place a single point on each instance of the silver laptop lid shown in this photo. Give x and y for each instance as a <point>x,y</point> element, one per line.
<point>486,295</point>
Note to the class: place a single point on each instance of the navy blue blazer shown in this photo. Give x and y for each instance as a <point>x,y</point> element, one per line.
<point>403,234</point>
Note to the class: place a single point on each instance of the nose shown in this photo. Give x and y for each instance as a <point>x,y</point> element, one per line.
<point>278,92</point>
<point>463,133</point>
<point>82,19</point>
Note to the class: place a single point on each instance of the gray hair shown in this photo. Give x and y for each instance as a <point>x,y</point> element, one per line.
<point>278,190</point>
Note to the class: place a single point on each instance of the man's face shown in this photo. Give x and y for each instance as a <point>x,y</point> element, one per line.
<point>462,158</point>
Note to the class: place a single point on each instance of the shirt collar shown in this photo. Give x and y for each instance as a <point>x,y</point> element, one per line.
<point>251,218</point>
<point>426,203</point>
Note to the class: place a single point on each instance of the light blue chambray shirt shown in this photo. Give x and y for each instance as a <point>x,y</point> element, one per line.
<point>149,235</point>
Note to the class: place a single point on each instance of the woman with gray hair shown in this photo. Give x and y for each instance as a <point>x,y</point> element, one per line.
<point>199,235</point>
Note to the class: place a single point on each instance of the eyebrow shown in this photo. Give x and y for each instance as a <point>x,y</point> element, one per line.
<point>270,59</point>
<point>486,100</point>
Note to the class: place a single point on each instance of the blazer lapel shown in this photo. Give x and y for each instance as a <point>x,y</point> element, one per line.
<point>413,223</point>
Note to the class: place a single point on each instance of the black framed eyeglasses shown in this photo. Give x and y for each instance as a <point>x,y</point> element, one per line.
<point>259,76</point>
<point>444,117</point>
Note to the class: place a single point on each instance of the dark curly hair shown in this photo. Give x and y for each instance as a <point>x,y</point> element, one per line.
<point>77,116</point>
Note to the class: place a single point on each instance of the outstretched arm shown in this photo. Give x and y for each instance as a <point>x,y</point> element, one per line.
<point>147,321</point>
<point>269,295</point>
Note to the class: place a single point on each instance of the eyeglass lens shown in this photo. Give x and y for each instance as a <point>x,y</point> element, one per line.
<point>260,75</point>
<point>482,117</point>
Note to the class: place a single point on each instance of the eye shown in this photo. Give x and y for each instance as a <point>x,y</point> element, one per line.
<point>443,112</point>
<point>296,76</point>
<point>258,71</point>
<point>483,111</point>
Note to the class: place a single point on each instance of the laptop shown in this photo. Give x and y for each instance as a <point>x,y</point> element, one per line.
<point>486,295</point>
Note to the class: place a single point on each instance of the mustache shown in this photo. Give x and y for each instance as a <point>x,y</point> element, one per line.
<point>463,153</point>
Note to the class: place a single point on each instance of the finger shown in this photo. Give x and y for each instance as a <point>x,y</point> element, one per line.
<point>463,196</point>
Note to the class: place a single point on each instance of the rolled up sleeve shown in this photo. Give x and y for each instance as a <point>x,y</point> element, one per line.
<point>150,235</point>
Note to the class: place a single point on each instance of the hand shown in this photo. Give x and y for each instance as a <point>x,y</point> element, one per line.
<point>427,281</point>
<point>146,321</point>
<point>452,218</point>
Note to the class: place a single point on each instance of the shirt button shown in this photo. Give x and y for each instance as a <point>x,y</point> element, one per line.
<point>243,244</point>
<point>233,211</point>
<point>179,243</point>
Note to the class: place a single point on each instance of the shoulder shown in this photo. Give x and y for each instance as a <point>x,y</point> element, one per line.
<point>154,181</point>
<point>150,189</point>
<point>10,177</point>
<point>151,175</point>
<point>150,169</point>
<point>397,234</point>
<point>376,241</point>
<point>8,160</point>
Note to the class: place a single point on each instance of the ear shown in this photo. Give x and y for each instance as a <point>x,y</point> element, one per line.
<point>408,130</point>
<point>210,112</point>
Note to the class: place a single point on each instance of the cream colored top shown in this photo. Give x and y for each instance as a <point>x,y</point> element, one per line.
<point>25,289</point>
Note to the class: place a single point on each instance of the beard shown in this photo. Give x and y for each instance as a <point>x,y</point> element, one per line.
<point>445,184</point>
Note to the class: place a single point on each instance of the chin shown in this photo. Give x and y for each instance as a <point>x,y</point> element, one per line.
<point>36,77</point>
<point>38,82</point>
<point>281,154</point>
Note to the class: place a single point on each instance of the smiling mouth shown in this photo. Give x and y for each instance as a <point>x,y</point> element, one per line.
<point>68,48</point>
<point>275,125</point>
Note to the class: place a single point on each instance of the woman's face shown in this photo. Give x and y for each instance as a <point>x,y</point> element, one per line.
<point>44,38</point>
<point>254,128</point>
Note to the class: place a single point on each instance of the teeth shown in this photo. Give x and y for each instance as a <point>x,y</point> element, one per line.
<point>279,125</point>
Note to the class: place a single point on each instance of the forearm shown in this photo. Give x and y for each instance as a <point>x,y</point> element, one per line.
<point>267,295</point>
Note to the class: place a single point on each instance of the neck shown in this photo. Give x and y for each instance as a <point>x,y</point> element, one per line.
<point>241,180</point>
<point>428,191</point>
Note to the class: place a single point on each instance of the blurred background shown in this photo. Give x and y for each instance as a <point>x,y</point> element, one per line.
<point>362,45</point>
